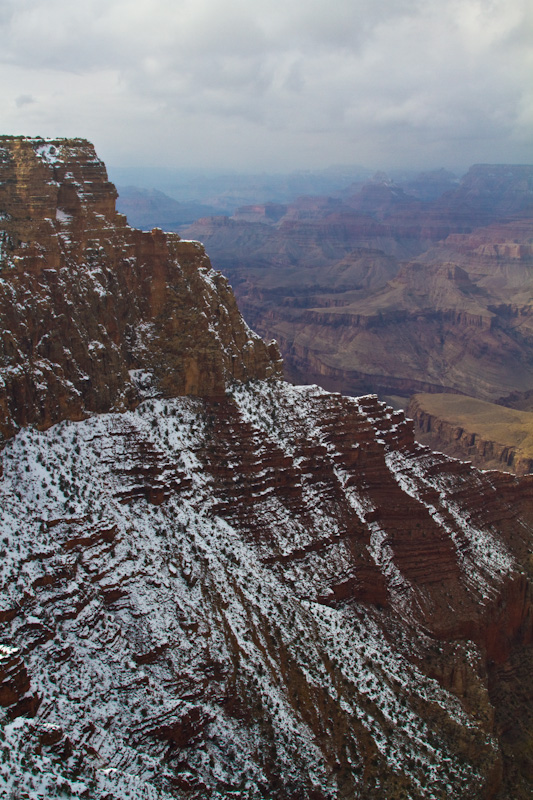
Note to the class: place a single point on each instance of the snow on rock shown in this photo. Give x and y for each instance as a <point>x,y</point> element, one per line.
<point>195,592</point>
<point>90,298</point>
<point>49,152</point>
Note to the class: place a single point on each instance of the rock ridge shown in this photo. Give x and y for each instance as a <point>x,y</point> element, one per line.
<point>279,584</point>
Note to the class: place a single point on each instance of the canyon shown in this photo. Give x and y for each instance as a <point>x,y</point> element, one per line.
<point>379,291</point>
<point>215,583</point>
<point>387,291</point>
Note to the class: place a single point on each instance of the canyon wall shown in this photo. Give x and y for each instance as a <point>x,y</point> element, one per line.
<point>272,594</point>
<point>490,436</point>
<point>89,305</point>
<point>381,292</point>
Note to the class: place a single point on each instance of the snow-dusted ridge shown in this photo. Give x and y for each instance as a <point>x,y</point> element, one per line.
<point>169,645</point>
<point>233,587</point>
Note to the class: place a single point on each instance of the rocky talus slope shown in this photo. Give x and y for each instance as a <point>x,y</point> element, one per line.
<point>255,591</point>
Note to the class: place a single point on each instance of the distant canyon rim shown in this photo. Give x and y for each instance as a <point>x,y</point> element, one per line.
<point>392,290</point>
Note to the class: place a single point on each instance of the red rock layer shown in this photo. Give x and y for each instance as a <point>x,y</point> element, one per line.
<point>242,541</point>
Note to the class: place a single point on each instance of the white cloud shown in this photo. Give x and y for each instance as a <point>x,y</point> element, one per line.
<point>425,82</point>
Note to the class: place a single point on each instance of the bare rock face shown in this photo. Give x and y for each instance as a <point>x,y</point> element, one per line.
<point>491,436</point>
<point>92,311</point>
<point>15,694</point>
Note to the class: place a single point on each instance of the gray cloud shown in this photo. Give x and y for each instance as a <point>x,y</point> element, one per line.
<point>298,84</point>
<point>24,100</point>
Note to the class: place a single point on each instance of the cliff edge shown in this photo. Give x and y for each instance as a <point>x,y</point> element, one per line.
<point>489,435</point>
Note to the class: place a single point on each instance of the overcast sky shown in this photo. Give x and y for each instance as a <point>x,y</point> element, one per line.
<point>274,84</point>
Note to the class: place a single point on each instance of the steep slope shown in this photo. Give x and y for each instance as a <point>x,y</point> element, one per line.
<point>87,304</point>
<point>232,587</point>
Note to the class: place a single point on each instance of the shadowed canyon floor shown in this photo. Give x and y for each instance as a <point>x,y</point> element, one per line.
<point>215,584</point>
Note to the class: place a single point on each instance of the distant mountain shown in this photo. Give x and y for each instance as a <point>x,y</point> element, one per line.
<point>149,208</point>
<point>226,191</point>
<point>380,291</point>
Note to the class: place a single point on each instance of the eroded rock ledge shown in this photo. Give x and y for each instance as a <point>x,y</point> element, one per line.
<point>279,584</point>
<point>497,440</point>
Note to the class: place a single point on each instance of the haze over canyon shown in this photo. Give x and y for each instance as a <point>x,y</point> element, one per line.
<point>397,290</point>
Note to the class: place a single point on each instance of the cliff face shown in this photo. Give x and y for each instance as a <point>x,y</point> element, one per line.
<point>263,592</point>
<point>93,313</point>
<point>455,320</point>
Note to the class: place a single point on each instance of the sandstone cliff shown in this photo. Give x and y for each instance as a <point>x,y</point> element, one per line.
<point>93,313</point>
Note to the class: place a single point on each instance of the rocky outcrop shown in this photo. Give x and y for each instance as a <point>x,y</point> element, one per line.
<point>95,313</point>
<point>15,694</point>
<point>463,428</point>
<point>278,584</point>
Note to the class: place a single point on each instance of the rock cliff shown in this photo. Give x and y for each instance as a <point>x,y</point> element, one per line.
<point>90,307</point>
<point>233,588</point>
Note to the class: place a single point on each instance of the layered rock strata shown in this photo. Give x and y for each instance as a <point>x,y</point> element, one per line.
<point>383,293</point>
<point>488,435</point>
<point>88,305</point>
<point>272,594</point>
